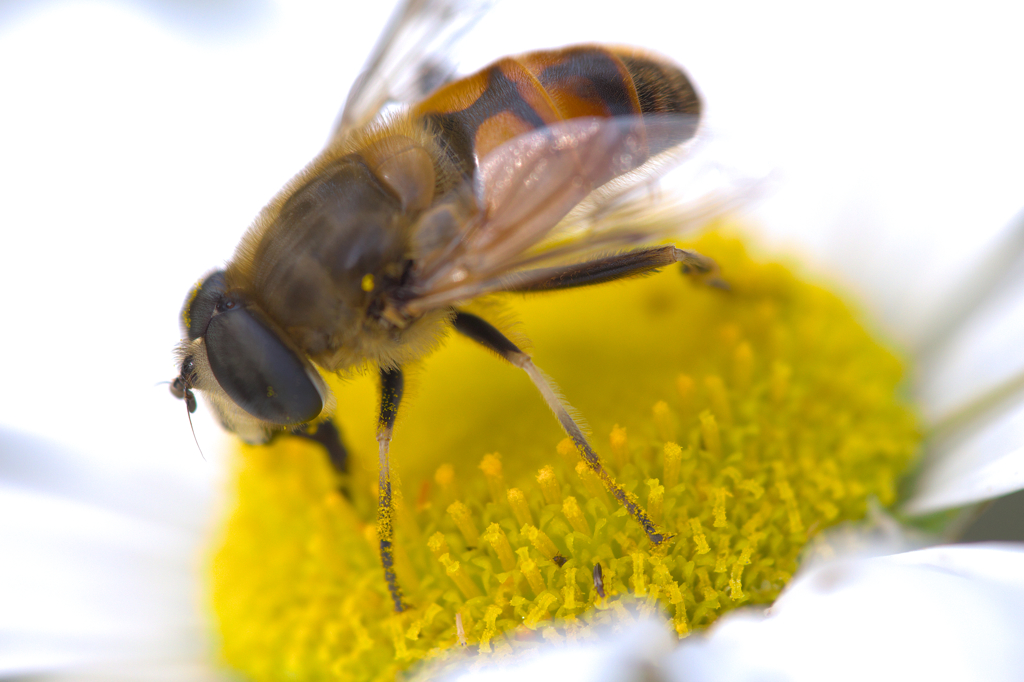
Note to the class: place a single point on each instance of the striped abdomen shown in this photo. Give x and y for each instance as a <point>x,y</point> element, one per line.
<point>518,94</point>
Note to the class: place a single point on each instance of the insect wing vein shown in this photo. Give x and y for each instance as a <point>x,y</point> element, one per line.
<point>527,189</point>
<point>413,56</point>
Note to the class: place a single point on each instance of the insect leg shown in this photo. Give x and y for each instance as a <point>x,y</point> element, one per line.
<point>618,266</point>
<point>391,384</point>
<point>486,335</point>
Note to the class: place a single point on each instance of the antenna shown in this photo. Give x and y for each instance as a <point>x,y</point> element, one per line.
<point>181,391</point>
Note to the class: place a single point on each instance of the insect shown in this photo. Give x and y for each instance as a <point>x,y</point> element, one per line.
<point>522,177</point>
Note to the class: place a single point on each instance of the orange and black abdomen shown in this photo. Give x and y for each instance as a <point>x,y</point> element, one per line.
<point>518,94</point>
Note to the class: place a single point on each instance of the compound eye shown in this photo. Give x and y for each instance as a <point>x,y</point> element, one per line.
<point>201,303</point>
<point>258,371</point>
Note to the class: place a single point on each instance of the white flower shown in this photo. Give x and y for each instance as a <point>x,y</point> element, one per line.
<point>137,147</point>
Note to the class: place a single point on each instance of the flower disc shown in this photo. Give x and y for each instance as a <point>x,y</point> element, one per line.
<point>744,420</point>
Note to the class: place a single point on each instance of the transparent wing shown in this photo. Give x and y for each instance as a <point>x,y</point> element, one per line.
<point>675,193</point>
<point>411,58</point>
<point>557,194</point>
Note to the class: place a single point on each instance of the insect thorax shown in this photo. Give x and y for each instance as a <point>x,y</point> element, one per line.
<point>338,243</point>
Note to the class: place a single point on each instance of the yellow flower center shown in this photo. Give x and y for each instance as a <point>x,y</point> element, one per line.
<point>745,421</point>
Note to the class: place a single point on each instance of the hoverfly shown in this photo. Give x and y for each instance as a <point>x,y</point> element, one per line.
<point>519,178</point>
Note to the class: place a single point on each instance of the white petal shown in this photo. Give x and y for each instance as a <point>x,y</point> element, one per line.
<point>969,388</point>
<point>99,565</point>
<point>972,349</point>
<point>621,655</point>
<point>944,613</point>
<point>983,352</point>
<point>975,466</point>
<point>79,584</point>
<point>165,671</point>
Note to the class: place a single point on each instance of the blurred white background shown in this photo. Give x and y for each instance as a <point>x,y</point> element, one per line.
<point>139,139</point>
